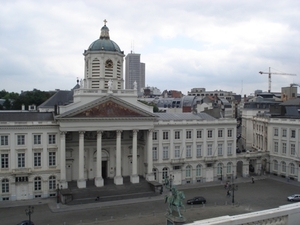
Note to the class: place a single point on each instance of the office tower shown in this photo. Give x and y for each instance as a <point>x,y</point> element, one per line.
<point>134,71</point>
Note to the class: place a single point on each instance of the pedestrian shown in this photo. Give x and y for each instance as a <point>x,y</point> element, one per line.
<point>228,193</point>
<point>252,180</point>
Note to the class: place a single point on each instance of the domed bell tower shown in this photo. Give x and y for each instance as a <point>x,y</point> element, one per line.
<point>103,63</point>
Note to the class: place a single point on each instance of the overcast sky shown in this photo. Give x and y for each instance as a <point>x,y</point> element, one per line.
<point>216,44</point>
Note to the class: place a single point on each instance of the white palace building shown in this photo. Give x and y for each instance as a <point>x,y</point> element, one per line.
<point>99,130</point>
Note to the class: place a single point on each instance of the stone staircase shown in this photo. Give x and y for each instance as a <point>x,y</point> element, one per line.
<point>109,192</point>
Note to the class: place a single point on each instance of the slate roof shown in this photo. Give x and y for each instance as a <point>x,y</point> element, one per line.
<point>184,116</point>
<point>291,102</point>
<point>16,116</point>
<point>59,98</point>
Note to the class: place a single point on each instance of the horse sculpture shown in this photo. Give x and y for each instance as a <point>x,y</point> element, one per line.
<point>174,201</point>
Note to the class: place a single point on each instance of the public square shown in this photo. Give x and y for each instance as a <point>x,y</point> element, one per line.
<point>265,193</point>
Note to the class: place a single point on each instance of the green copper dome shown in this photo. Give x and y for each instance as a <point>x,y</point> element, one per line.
<point>104,43</point>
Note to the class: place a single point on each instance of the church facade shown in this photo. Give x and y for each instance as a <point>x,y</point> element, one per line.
<point>99,130</point>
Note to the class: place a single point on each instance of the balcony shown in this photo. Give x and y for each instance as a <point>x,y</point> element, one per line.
<point>177,161</point>
<point>210,159</point>
<point>21,171</point>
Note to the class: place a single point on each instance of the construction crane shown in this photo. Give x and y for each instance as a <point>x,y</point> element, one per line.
<point>284,74</point>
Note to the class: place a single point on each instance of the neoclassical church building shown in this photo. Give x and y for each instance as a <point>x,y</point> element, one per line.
<point>98,130</point>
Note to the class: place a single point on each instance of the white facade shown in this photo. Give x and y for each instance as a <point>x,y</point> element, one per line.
<point>106,133</point>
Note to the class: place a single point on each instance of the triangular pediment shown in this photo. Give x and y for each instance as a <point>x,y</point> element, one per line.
<point>109,109</point>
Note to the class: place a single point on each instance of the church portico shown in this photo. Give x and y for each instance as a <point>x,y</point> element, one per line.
<point>95,155</point>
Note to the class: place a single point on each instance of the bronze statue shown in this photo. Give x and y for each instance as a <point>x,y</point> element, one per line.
<point>174,199</point>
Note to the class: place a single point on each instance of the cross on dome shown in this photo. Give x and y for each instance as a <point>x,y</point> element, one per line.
<point>105,21</point>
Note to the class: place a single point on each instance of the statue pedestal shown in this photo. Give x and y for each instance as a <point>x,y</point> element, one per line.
<point>174,220</point>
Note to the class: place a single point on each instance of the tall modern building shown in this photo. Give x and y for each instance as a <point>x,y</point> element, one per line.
<point>134,71</point>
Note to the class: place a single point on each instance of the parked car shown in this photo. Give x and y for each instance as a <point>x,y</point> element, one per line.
<point>196,200</point>
<point>294,198</point>
<point>26,222</point>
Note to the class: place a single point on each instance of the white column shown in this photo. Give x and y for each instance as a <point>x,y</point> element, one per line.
<point>63,181</point>
<point>134,178</point>
<point>118,179</point>
<point>150,175</point>
<point>98,179</point>
<point>81,183</point>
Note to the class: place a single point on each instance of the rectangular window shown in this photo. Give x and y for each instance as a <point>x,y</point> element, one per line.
<point>220,133</point>
<point>188,151</point>
<point>209,133</point>
<point>154,153</point>
<point>188,134</point>
<point>21,160</point>
<point>293,149</point>
<point>154,136</point>
<point>209,150</point>
<point>220,149</point>
<point>276,132</point>
<point>4,140</point>
<point>199,150</point>
<point>229,149</point>
<point>37,159</point>
<point>177,134</point>
<point>5,186</point>
<point>165,135</point>
<point>284,133</point>
<point>37,139</point>
<point>52,139</point>
<point>165,152</point>
<point>229,133</point>
<point>21,139</point>
<point>52,158</point>
<point>275,147</point>
<point>293,133</point>
<point>4,161</point>
<point>177,152</point>
<point>199,133</point>
<point>283,148</point>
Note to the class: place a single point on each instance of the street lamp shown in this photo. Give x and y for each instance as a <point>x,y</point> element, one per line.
<point>171,180</point>
<point>234,187</point>
<point>28,212</point>
<point>57,196</point>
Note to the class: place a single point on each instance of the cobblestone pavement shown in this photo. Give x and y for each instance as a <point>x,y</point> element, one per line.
<point>267,192</point>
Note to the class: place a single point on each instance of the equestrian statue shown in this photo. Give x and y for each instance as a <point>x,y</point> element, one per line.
<point>174,199</point>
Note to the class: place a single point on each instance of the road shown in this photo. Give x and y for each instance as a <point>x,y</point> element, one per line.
<point>263,194</point>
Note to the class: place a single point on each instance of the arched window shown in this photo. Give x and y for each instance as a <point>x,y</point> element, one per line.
<point>283,167</point>
<point>229,168</point>
<point>198,170</point>
<point>5,186</point>
<point>220,169</point>
<point>37,184</point>
<point>164,173</point>
<point>155,173</point>
<point>292,168</point>
<point>52,183</point>
<point>275,165</point>
<point>188,171</point>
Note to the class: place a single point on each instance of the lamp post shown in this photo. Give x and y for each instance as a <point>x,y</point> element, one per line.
<point>234,187</point>
<point>57,196</point>
<point>171,180</point>
<point>221,174</point>
<point>28,212</point>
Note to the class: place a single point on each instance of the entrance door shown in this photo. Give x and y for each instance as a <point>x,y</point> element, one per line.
<point>209,174</point>
<point>22,191</point>
<point>104,169</point>
<point>69,172</point>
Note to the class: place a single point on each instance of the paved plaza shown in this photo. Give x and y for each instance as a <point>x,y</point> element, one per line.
<point>267,192</point>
